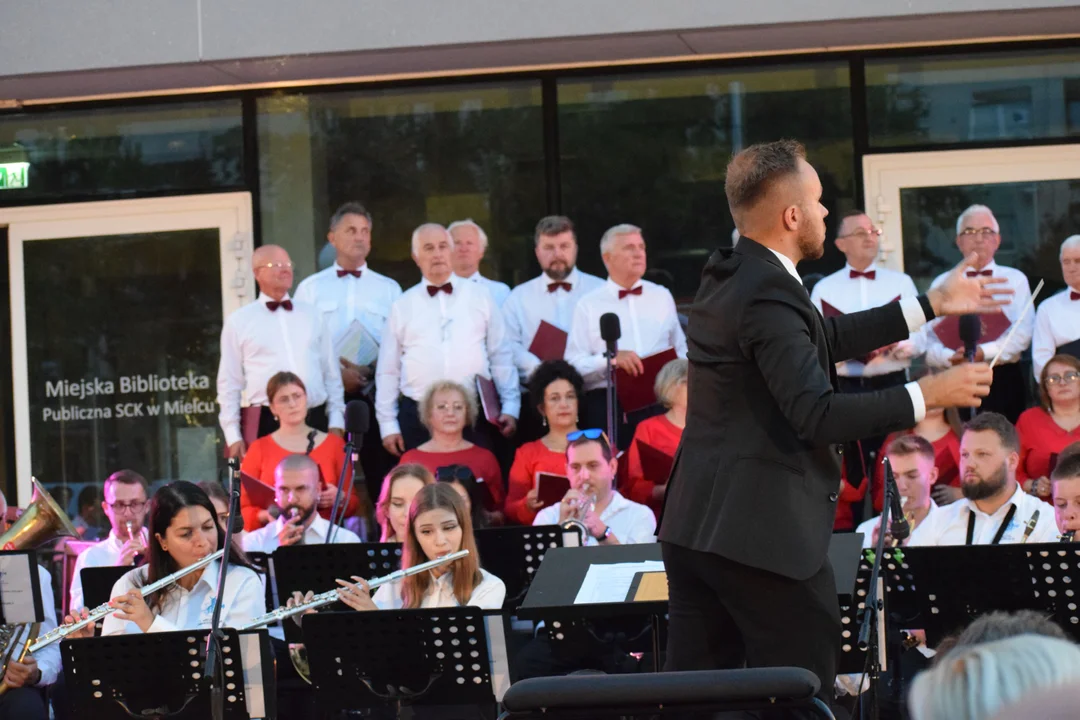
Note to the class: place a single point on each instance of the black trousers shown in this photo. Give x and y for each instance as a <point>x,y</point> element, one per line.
<point>25,703</point>
<point>316,418</point>
<point>1008,393</point>
<point>723,614</point>
<point>375,461</point>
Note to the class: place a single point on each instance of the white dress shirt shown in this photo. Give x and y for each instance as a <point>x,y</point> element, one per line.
<point>500,291</point>
<point>256,344</point>
<point>937,355</point>
<point>105,554</point>
<point>867,527</point>
<point>913,315</point>
<point>850,295</point>
<point>48,658</point>
<point>488,595</point>
<point>245,600</point>
<point>947,525</point>
<point>343,300</point>
<point>265,539</point>
<point>449,336</point>
<point>1057,323</point>
<point>649,323</point>
<point>631,523</point>
<point>531,302</point>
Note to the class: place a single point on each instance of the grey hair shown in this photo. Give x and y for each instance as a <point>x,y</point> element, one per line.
<point>468,222</point>
<point>427,403</point>
<point>668,379</point>
<point>429,226</point>
<point>349,208</point>
<point>1070,243</point>
<point>971,211</point>
<point>553,225</point>
<point>976,682</point>
<point>609,237</point>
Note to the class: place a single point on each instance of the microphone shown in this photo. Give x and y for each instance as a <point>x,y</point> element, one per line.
<point>899,527</point>
<point>236,520</point>
<point>357,421</point>
<point>970,332</point>
<point>610,331</point>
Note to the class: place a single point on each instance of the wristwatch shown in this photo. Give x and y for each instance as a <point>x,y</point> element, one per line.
<point>604,535</point>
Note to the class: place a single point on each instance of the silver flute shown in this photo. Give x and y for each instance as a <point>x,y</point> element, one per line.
<point>62,631</point>
<point>332,596</point>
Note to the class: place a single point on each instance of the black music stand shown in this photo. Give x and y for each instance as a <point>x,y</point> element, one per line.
<point>20,588</point>
<point>396,659</point>
<point>98,583</point>
<point>159,676</point>
<point>514,554</point>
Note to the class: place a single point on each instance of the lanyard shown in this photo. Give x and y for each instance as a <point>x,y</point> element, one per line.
<point>1000,530</point>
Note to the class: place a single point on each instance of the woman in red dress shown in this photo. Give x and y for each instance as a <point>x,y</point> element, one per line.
<point>560,386</point>
<point>1045,431</point>
<point>661,432</point>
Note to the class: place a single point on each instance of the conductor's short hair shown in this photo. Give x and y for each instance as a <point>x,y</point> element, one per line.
<point>754,170</point>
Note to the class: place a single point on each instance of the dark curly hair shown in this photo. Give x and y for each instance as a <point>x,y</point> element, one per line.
<point>547,373</point>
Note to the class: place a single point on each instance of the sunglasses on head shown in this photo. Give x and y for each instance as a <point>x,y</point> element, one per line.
<point>450,473</point>
<point>590,434</point>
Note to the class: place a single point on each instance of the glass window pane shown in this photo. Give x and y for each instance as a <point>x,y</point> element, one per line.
<point>973,98</point>
<point>410,156</point>
<point>1034,218</point>
<point>120,151</point>
<point>123,334</point>
<point>652,150</point>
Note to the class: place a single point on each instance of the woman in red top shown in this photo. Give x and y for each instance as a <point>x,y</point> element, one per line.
<point>288,402</point>
<point>445,410</point>
<point>560,386</point>
<point>942,429</point>
<point>662,432</point>
<point>1045,431</point>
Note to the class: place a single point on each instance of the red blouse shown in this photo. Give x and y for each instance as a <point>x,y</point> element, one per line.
<point>531,458</point>
<point>946,460</point>
<point>1041,439</point>
<point>663,435</point>
<point>482,463</point>
<point>262,459</point>
<point>849,495</point>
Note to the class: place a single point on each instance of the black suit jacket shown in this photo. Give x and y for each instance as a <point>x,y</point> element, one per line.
<point>757,474</point>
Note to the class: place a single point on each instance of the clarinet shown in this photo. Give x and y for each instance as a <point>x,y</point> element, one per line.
<point>1067,536</point>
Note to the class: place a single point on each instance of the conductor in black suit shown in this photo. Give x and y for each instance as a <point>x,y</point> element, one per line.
<point>752,496</point>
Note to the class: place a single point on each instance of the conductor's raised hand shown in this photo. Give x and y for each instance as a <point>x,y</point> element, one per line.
<point>960,294</point>
<point>961,386</point>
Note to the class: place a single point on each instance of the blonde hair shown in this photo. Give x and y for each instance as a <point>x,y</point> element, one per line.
<point>668,379</point>
<point>427,404</point>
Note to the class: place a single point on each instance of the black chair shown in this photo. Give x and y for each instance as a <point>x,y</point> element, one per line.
<point>589,696</point>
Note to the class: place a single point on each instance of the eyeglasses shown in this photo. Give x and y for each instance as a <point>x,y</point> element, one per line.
<point>983,231</point>
<point>275,266</point>
<point>589,434</point>
<point>131,507</point>
<point>450,473</point>
<point>1066,379</point>
<point>863,233</point>
<point>450,407</point>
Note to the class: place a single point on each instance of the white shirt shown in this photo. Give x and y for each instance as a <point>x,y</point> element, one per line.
<point>105,554</point>
<point>850,295</point>
<point>1057,323</point>
<point>631,523</point>
<point>48,658</point>
<point>499,290</point>
<point>488,595</point>
<point>948,525</point>
<point>649,323</point>
<point>913,315</point>
<point>265,539</point>
<point>454,336</point>
<point>530,303</point>
<point>937,355</point>
<point>256,344</point>
<point>867,527</point>
<point>245,600</point>
<point>343,300</point>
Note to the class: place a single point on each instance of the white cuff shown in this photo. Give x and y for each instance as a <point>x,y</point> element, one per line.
<point>918,402</point>
<point>232,435</point>
<point>913,313</point>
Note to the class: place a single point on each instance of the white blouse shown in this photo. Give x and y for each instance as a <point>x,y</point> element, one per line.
<point>488,595</point>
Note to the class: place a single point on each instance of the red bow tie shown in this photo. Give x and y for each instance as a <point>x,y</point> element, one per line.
<point>284,305</point>
<point>869,274</point>
<point>343,273</point>
<point>1073,295</point>
<point>552,287</point>
<point>635,291</point>
<point>433,290</point>
<point>976,273</point>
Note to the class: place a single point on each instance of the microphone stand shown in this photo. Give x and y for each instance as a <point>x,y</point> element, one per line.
<point>612,397</point>
<point>869,639</point>
<point>214,672</point>
<point>350,458</point>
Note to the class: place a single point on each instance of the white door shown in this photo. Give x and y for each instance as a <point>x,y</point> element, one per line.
<point>116,315</point>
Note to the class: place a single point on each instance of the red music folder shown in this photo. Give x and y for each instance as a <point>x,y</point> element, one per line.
<point>259,493</point>
<point>655,464</point>
<point>489,399</point>
<point>994,326</point>
<point>551,488</point>
<point>549,343</point>
<point>829,311</point>
<point>636,393</point>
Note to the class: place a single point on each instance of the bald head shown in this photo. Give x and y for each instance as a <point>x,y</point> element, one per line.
<point>298,465</point>
<point>273,270</point>
<point>296,485</point>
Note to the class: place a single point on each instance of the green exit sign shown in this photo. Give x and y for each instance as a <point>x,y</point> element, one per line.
<point>14,176</point>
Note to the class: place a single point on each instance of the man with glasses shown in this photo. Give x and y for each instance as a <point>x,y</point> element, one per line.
<point>1057,321</point>
<point>592,500</point>
<point>977,232</point>
<point>265,337</point>
<point>125,506</point>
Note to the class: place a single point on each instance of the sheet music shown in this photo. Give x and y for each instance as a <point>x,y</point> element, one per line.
<point>357,344</point>
<point>610,583</point>
<point>17,574</point>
